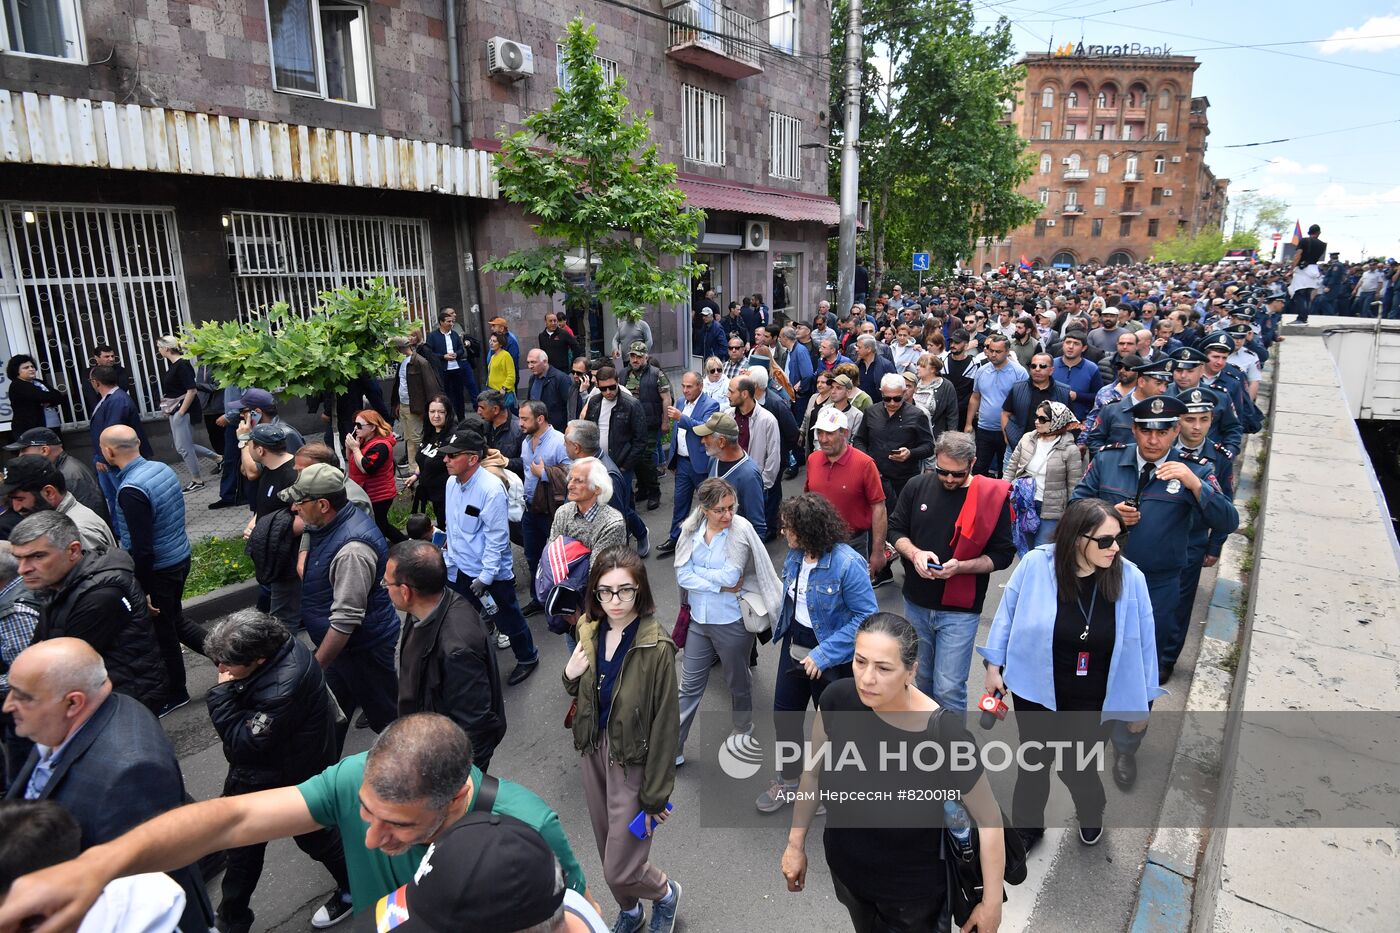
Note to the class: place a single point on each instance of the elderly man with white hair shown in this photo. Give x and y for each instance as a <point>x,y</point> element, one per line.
<point>587,517</point>
<point>872,364</point>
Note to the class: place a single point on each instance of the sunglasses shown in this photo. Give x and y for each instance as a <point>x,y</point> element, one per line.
<point>736,346</point>
<point>713,372</point>
<point>1104,542</point>
<point>611,388</point>
<point>891,399</point>
<point>360,425</point>
<point>1040,366</point>
<point>1042,419</point>
<point>955,474</point>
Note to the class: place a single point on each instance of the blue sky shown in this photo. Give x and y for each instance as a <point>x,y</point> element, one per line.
<point>1329,67</point>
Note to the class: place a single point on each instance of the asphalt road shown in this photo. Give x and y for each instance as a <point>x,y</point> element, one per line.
<point>730,874</point>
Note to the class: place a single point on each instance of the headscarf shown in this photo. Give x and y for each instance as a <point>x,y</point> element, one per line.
<point>1061,416</point>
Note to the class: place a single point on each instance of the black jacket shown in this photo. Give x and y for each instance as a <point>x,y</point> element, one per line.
<point>446,666</point>
<point>27,403</point>
<point>273,547</point>
<point>278,726</point>
<point>554,390</point>
<point>561,347</point>
<point>101,603</point>
<point>879,434</point>
<point>627,429</point>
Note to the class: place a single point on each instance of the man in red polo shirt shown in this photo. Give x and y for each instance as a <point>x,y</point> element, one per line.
<point>850,481</point>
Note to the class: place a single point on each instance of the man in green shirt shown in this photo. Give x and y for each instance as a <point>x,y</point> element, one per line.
<point>388,803</point>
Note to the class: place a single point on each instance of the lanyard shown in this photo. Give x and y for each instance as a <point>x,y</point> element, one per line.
<point>1088,616</point>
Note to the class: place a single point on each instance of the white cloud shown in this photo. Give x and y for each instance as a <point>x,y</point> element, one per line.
<point>1282,166</point>
<point>1278,189</point>
<point>1336,197</point>
<point>1377,34</point>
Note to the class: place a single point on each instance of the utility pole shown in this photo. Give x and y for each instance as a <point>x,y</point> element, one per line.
<point>850,167</point>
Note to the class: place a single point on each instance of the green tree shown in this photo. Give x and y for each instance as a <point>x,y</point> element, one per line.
<point>598,190</point>
<point>1207,245</point>
<point>341,339</point>
<point>1257,213</point>
<point>940,167</point>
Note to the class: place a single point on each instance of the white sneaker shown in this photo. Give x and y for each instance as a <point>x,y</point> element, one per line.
<point>502,640</point>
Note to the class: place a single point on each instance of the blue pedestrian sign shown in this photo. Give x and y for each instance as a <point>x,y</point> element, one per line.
<point>921,262</point>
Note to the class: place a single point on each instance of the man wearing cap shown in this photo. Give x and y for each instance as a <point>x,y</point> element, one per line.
<point>416,384</point>
<point>1081,375</point>
<point>1188,366</point>
<point>501,328</point>
<point>720,435</point>
<point>1115,423</point>
<point>1222,376</point>
<point>479,563</point>
<point>344,609</point>
<point>551,386</point>
<point>389,804</point>
<point>1203,550</point>
<point>649,386</point>
<point>32,484</point>
<point>1244,359</point>
<point>1106,335</point>
<point>689,461</point>
<point>1161,495</point>
<point>150,520</point>
<point>851,482</point>
<point>116,407</point>
<point>82,482</point>
<point>712,336</point>
<point>259,406</point>
<point>270,545</point>
<point>446,663</point>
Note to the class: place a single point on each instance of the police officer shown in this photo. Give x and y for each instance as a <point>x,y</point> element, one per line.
<point>1220,375</point>
<point>1115,424</point>
<point>1249,315</point>
<point>1274,299</point>
<point>1203,549</point>
<point>1188,366</point>
<point>1160,494</point>
<point>1244,358</point>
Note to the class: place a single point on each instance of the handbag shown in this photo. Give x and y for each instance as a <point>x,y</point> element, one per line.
<point>756,620</point>
<point>171,405</point>
<point>681,629</point>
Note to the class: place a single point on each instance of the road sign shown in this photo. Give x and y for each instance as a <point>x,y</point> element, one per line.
<point>1276,237</point>
<point>921,262</point>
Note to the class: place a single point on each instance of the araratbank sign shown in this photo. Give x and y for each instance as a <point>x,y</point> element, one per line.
<point>1071,50</point>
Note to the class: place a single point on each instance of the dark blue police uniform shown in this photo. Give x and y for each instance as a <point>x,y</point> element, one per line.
<point>1115,424</point>
<point>1225,425</point>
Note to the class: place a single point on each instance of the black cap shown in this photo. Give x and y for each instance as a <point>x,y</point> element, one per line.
<point>1155,369</point>
<point>1158,412</point>
<point>466,441</point>
<point>1218,341</point>
<point>488,873</point>
<point>1199,399</point>
<point>271,436</point>
<point>28,472</point>
<point>1239,330</point>
<point>1187,358</point>
<point>36,437</point>
<point>1130,361</point>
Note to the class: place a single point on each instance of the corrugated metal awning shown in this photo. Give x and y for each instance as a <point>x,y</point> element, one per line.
<point>783,205</point>
<point>53,130</point>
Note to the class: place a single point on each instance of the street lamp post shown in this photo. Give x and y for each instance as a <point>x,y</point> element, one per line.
<point>850,168</point>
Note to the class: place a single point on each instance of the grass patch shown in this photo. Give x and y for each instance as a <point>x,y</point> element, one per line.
<point>217,562</point>
<point>1231,662</point>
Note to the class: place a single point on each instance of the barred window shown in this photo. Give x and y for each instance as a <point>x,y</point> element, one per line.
<point>784,133</point>
<point>703,126</point>
<point>561,75</point>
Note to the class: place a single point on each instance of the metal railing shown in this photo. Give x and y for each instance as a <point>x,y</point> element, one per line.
<point>1076,174</point>
<point>717,28</point>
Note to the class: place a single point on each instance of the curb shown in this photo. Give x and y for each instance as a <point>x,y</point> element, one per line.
<point>1173,877</point>
<point>207,607</point>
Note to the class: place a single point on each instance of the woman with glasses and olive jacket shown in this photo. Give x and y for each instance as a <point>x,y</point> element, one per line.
<point>1074,637</point>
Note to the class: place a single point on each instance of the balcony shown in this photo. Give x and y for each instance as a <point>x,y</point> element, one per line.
<point>715,39</point>
<point>1076,174</point>
<point>1130,211</point>
<point>1135,114</point>
<point>1132,176</point>
<point>1072,210</point>
<point>1081,112</point>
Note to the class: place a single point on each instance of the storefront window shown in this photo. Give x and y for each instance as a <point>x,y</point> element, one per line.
<point>787,282</point>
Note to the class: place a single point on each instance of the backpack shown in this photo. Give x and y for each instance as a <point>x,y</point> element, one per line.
<point>561,580</point>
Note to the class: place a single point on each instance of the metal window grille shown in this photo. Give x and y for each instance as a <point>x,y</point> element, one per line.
<point>86,275</point>
<point>561,72</point>
<point>704,114</point>
<point>784,134</point>
<point>295,257</point>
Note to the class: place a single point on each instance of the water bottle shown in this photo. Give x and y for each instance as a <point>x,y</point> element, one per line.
<point>488,605</point>
<point>959,829</point>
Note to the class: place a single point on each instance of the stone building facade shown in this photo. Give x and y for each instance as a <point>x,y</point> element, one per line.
<point>1118,144</point>
<point>168,161</point>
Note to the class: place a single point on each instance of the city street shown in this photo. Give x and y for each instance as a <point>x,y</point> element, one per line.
<point>730,876</point>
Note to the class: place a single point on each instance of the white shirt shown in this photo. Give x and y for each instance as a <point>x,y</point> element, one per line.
<point>147,903</point>
<point>1370,281</point>
<point>688,409</point>
<point>798,592</point>
<point>605,421</point>
<point>717,389</point>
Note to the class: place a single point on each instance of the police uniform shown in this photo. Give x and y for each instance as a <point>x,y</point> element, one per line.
<point>1204,541</point>
<point>1115,424</point>
<point>1232,382</point>
<point>1158,543</point>
<point>1225,425</point>
<point>1244,358</point>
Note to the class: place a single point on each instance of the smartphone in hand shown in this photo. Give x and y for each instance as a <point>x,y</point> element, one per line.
<point>642,824</point>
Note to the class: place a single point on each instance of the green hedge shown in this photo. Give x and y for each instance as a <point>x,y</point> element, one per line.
<point>217,562</point>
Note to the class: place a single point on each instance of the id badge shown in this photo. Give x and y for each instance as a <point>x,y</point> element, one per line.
<point>1081,666</point>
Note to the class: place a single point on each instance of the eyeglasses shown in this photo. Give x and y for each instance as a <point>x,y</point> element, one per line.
<point>955,474</point>
<point>623,594</point>
<point>1040,366</point>
<point>611,388</point>
<point>1042,419</point>
<point>721,509</point>
<point>1104,542</point>
<point>891,399</point>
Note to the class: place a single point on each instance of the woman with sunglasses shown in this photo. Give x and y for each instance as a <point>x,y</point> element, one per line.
<point>1073,634</point>
<point>429,480</point>
<point>715,385</point>
<point>1050,458</point>
<point>622,675</point>
<point>369,450</point>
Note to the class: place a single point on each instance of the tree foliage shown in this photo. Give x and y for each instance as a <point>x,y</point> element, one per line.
<point>1258,213</point>
<point>340,339</point>
<point>598,189</point>
<point>1207,245</point>
<point>940,168</point>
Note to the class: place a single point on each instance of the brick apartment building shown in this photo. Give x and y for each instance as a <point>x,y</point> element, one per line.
<point>1119,145</point>
<point>166,161</point>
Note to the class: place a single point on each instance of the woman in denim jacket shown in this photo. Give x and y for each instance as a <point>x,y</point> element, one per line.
<point>827,596</point>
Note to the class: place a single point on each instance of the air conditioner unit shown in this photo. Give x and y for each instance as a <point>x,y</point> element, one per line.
<point>1176,159</point>
<point>1049,223</point>
<point>756,235</point>
<point>1166,192</point>
<point>256,255</point>
<point>508,59</point>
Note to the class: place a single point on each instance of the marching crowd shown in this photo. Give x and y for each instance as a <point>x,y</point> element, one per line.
<point>1082,425</point>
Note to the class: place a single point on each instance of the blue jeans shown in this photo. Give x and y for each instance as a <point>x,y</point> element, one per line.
<point>1046,531</point>
<point>534,532</point>
<point>687,480</point>
<point>622,493</point>
<point>108,481</point>
<point>946,639</point>
<point>1164,592</point>
<point>507,618</point>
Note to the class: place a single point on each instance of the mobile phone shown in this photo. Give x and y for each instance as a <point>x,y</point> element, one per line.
<point>639,825</point>
<point>934,565</point>
<point>440,538</point>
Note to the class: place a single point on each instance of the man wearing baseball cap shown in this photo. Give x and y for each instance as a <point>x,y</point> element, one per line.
<point>850,481</point>
<point>32,484</point>
<point>720,435</point>
<point>1188,366</point>
<point>82,482</point>
<point>648,385</point>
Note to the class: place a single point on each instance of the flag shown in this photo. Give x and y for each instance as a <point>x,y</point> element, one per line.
<point>1297,233</point>
<point>1025,264</point>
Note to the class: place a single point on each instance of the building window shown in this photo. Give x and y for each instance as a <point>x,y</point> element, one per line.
<point>47,28</point>
<point>1040,228</point>
<point>1159,165</point>
<point>1047,98</point>
<point>1067,226</point>
<point>1072,163</point>
<point>1127,131</point>
<point>320,49</point>
<point>1071,198</point>
<point>561,74</point>
<point>1045,163</point>
<point>1045,131</point>
<point>1125,226</point>
<point>1101,100</point>
<point>1071,130</point>
<point>787,281</point>
<point>1152,227</point>
<point>1072,99</point>
<point>1044,194</point>
<point>1100,197</point>
<point>782,25</point>
<point>1096,227</point>
<point>1130,166</point>
<point>784,133</point>
<point>1103,163</point>
<point>1156,197</point>
<point>1161,131</point>
<point>1164,99</point>
<point>703,126</point>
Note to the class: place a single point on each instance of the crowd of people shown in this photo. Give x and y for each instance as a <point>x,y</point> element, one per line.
<point>1081,425</point>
